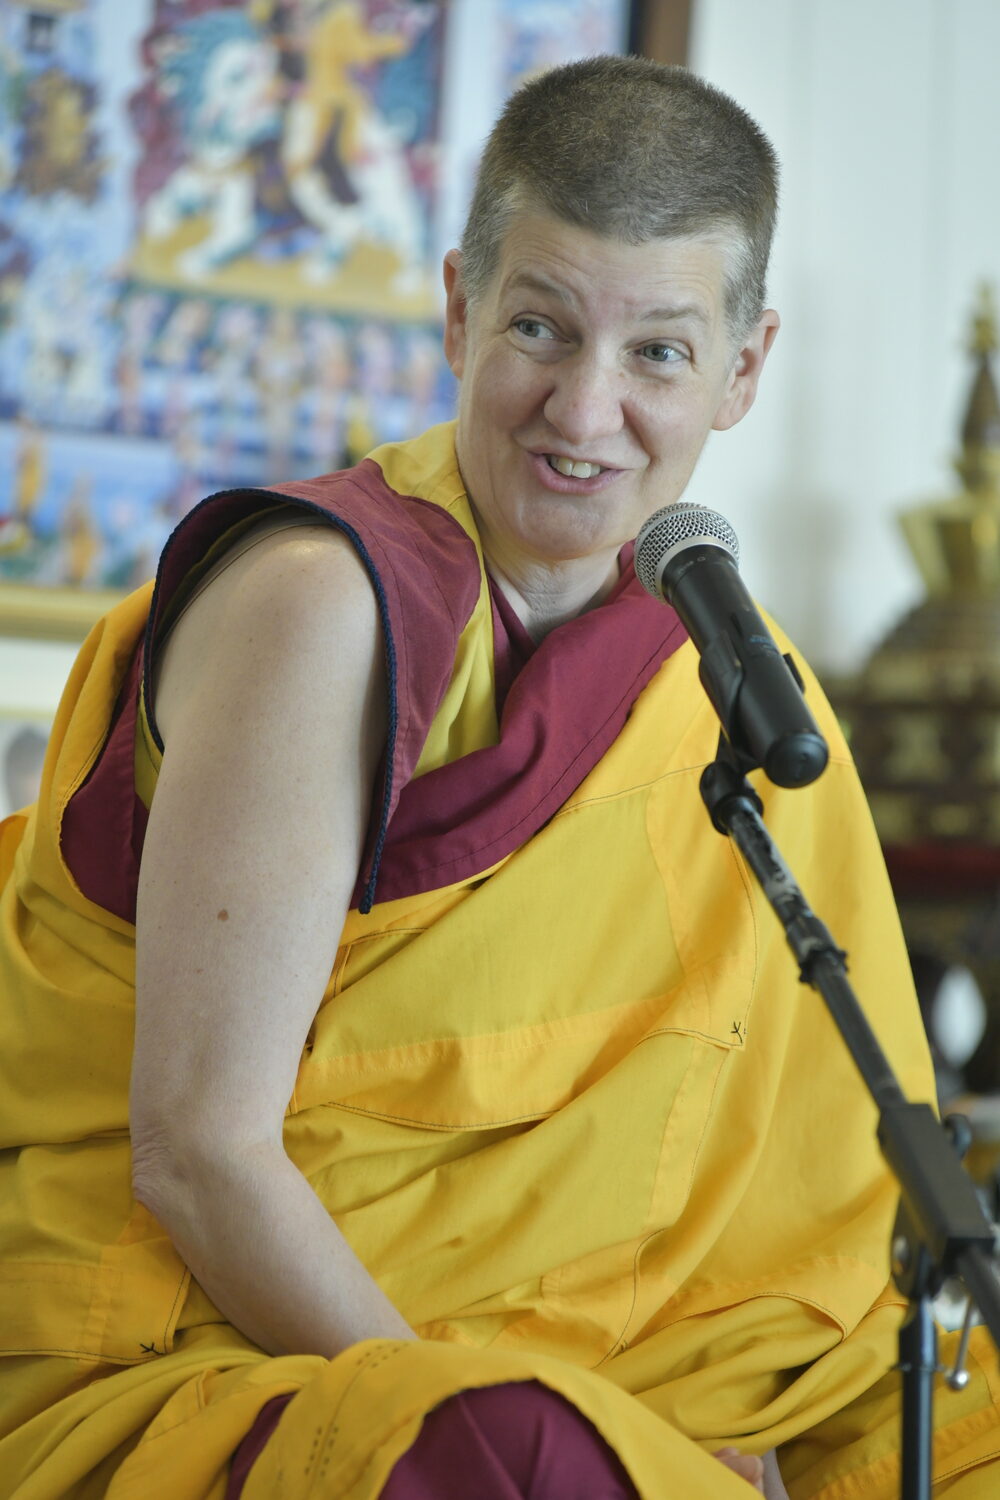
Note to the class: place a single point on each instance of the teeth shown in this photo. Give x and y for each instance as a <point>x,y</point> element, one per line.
<point>571,469</point>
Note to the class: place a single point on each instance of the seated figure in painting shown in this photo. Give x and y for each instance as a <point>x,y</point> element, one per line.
<point>260,147</point>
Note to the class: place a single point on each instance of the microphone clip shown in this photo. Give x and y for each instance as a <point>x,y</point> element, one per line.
<point>724,787</point>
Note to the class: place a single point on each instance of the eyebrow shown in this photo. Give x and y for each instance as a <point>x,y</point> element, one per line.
<point>530,281</point>
<point>680,310</point>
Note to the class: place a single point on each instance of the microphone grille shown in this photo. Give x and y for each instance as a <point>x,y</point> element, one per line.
<point>674,528</point>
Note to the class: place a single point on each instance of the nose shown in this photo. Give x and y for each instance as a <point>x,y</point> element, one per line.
<point>586,398</point>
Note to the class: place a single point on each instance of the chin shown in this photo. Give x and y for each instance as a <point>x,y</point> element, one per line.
<point>559,551</point>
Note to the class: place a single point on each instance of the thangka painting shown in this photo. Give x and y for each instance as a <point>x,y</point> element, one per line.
<point>539,36</point>
<point>219,247</point>
<point>214,260</point>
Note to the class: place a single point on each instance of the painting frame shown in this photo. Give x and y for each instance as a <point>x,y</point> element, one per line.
<point>661,29</point>
<point>35,611</point>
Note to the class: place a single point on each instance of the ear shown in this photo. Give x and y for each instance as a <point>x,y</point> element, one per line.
<point>456,311</point>
<point>741,388</point>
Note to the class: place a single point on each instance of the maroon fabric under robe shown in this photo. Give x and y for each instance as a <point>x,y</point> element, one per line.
<point>518,1441</point>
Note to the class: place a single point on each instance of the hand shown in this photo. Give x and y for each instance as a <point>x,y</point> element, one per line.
<point>747,1465</point>
<point>762,1473</point>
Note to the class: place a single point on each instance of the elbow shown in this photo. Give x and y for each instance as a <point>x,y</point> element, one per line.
<point>158,1174</point>
<point>183,1165</point>
<point>169,1159</point>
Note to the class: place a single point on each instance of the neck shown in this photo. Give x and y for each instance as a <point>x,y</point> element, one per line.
<point>548,596</point>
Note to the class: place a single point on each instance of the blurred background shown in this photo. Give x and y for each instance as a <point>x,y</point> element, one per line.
<point>221,228</point>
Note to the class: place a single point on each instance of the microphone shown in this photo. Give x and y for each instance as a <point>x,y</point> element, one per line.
<point>689,556</point>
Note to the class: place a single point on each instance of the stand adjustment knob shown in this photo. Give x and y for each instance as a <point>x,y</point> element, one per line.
<point>958,1376</point>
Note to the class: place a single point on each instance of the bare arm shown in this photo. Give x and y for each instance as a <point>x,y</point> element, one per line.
<point>271,706</point>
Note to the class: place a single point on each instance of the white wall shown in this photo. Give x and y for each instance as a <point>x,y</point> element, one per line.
<point>886,115</point>
<point>32,675</point>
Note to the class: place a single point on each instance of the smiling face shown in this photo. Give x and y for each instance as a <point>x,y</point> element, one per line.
<point>591,374</point>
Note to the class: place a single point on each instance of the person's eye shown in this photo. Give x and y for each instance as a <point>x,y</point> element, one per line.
<point>533,328</point>
<point>662,354</point>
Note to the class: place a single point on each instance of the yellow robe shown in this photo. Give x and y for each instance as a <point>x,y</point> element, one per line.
<point>589,1129</point>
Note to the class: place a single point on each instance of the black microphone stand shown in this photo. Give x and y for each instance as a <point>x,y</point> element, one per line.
<point>941,1230</point>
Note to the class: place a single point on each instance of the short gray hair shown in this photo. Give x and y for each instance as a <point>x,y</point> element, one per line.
<point>634,150</point>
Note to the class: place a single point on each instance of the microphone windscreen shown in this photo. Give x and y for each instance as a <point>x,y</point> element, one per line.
<point>674,528</point>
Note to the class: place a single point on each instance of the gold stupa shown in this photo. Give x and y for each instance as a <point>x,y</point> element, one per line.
<point>923,716</point>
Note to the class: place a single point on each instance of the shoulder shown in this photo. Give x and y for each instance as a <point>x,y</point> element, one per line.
<point>292,575</point>
<point>294,606</point>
